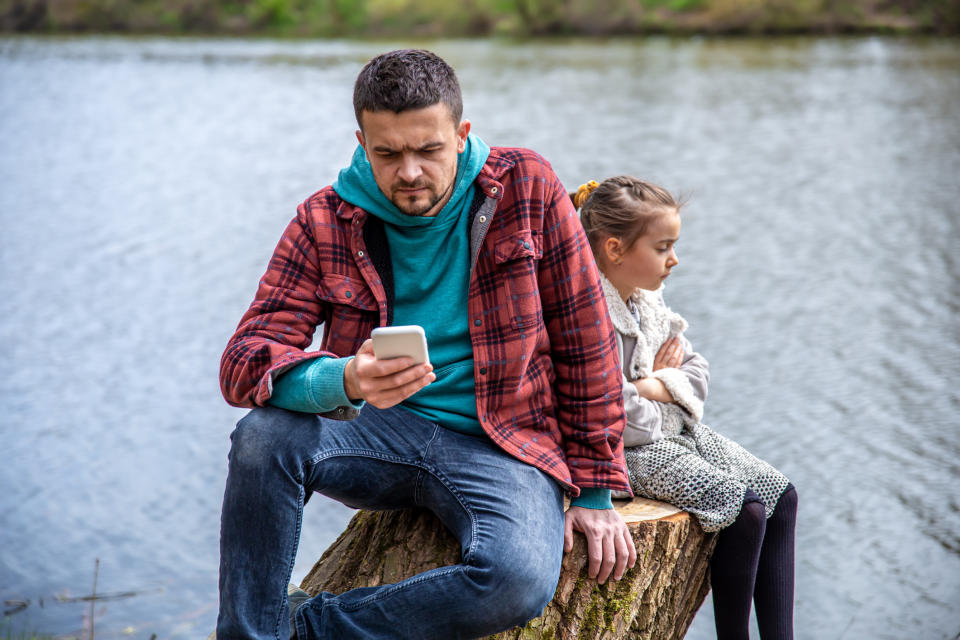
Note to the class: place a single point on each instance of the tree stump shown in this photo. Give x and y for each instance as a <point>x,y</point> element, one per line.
<point>657,599</point>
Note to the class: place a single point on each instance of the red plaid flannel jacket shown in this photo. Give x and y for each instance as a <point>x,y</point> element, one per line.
<point>547,371</point>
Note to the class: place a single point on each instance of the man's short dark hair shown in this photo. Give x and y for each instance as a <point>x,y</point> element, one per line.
<point>407,79</point>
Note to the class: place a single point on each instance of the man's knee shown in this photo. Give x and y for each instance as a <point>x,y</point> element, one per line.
<point>517,592</point>
<point>263,435</point>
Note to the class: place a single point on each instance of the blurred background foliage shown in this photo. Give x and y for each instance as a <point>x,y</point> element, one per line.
<point>344,18</point>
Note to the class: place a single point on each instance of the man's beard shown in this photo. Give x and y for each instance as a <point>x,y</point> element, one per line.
<point>404,203</point>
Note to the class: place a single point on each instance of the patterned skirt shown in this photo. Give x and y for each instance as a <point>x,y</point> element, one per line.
<point>704,473</point>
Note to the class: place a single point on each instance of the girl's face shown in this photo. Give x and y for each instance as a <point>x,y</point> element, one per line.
<point>647,263</point>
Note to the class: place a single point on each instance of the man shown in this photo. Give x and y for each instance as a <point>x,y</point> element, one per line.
<point>521,402</point>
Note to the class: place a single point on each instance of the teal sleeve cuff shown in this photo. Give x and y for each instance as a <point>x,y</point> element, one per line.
<point>593,499</point>
<point>314,386</point>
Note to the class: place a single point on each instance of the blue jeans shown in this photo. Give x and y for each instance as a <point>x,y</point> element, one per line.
<point>507,515</point>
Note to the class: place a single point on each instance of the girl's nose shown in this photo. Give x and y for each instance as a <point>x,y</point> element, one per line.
<point>674,260</point>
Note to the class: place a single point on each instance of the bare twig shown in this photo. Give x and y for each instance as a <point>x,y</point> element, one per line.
<point>93,598</point>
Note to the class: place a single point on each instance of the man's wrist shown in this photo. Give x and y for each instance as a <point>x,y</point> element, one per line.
<point>593,498</point>
<point>349,388</point>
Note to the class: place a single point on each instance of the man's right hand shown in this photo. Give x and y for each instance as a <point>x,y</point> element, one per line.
<point>384,383</point>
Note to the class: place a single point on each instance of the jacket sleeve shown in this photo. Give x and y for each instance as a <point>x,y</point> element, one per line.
<point>279,323</point>
<point>644,417</point>
<point>587,384</point>
<point>688,382</point>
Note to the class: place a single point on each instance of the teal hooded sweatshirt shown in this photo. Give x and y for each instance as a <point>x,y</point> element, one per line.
<point>431,271</point>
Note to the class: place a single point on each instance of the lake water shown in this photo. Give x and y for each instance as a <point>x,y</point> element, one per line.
<point>144,183</point>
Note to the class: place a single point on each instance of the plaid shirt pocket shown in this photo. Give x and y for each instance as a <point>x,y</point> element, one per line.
<point>353,312</point>
<point>517,256</point>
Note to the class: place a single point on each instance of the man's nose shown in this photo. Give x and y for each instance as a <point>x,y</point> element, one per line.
<point>409,170</point>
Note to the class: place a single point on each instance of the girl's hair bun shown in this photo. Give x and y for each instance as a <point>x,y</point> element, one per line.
<point>583,192</point>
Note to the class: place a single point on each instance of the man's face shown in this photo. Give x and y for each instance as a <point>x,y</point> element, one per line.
<point>414,155</point>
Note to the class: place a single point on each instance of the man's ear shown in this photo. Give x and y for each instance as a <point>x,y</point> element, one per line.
<point>462,132</point>
<point>360,139</point>
<point>613,249</point>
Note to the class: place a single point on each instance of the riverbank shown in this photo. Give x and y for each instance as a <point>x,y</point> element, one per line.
<point>428,18</point>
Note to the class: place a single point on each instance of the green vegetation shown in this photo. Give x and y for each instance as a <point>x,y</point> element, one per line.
<point>7,633</point>
<point>338,18</point>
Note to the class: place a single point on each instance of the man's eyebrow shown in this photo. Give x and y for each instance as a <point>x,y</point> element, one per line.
<point>433,144</point>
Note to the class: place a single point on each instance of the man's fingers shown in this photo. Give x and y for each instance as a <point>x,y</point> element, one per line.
<point>594,555</point>
<point>383,398</point>
<point>366,347</point>
<point>631,548</point>
<point>609,557</point>
<point>404,377</point>
<point>415,385</point>
<point>623,555</point>
<point>394,387</point>
<point>373,368</point>
<point>567,533</point>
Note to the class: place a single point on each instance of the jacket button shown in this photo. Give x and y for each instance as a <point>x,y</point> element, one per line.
<point>477,322</point>
<point>493,190</point>
<point>349,294</point>
<point>360,253</point>
<point>526,245</point>
<point>483,371</point>
<point>483,218</point>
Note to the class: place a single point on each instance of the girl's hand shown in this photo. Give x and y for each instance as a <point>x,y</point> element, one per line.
<point>652,389</point>
<point>670,355</point>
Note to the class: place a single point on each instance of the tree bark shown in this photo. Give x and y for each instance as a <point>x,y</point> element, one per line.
<point>657,599</point>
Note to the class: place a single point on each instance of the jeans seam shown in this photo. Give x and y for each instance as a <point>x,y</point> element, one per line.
<point>418,489</point>
<point>293,556</point>
<point>456,494</point>
<point>361,453</point>
<point>393,589</point>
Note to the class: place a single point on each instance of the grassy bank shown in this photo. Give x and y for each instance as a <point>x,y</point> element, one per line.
<point>345,18</point>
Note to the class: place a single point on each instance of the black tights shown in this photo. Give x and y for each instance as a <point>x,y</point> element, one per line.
<point>753,560</point>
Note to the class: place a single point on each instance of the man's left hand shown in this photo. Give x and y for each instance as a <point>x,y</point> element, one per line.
<point>609,543</point>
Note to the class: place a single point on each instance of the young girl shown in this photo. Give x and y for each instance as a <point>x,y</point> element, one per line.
<point>671,456</point>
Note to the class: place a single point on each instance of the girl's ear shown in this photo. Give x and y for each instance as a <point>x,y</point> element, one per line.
<point>613,250</point>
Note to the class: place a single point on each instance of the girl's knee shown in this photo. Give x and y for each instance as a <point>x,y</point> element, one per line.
<point>786,509</point>
<point>789,498</point>
<point>753,513</point>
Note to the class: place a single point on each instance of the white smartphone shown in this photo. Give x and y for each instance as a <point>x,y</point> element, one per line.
<point>395,342</point>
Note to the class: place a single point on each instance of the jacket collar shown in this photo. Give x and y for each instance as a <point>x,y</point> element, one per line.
<point>623,319</point>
